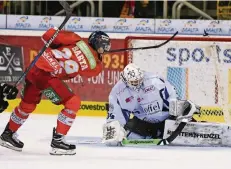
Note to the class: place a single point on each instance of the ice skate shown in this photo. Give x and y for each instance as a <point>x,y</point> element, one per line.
<point>59,147</point>
<point>9,140</point>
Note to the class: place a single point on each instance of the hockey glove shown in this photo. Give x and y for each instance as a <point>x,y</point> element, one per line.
<point>113,133</point>
<point>183,110</point>
<point>189,108</point>
<point>3,105</point>
<point>9,91</point>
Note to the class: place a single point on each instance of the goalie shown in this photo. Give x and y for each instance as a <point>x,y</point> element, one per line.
<point>155,109</point>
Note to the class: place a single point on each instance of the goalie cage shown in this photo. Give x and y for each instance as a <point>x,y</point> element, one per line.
<point>198,67</point>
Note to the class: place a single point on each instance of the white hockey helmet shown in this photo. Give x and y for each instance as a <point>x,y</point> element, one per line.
<point>132,76</point>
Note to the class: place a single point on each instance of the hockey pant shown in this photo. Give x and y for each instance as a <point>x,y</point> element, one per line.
<point>37,83</point>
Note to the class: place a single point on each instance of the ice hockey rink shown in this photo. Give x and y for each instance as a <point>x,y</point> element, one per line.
<point>36,135</point>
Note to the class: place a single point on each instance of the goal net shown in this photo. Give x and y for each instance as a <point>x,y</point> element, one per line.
<point>198,67</point>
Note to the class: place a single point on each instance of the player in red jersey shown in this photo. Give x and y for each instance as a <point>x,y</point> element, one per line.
<point>67,57</point>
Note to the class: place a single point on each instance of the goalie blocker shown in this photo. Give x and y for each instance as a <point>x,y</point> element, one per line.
<point>193,134</point>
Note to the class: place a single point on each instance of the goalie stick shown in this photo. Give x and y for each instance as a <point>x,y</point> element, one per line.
<point>68,11</point>
<point>143,48</point>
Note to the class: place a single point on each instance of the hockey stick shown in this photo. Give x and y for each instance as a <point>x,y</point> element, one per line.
<point>143,48</point>
<point>68,11</point>
<point>156,142</point>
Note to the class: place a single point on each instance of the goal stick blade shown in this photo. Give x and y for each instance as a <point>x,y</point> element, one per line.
<point>68,12</point>
<point>143,48</point>
<point>66,7</point>
<point>126,142</point>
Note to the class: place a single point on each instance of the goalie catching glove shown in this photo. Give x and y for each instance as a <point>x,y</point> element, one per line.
<point>183,110</point>
<point>113,133</point>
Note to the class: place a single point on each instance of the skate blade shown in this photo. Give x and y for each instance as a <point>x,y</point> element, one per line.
<point>9,146</point>
<point>56,151</point>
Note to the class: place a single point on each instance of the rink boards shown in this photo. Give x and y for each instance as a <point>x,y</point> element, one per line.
<point>99,109</point>
<point>46,107</point>
<point>94,92</point>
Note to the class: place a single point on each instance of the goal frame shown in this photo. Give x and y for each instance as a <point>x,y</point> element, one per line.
<point>128,56</point>
<point>177,38</point>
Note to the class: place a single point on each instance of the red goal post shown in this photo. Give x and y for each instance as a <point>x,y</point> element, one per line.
<point>199,68</point>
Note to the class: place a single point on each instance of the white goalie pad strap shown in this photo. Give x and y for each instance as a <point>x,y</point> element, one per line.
<point>200,134</point>
<point>113,133</point>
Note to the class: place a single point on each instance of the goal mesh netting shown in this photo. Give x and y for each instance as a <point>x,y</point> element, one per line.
<point>198,67</point>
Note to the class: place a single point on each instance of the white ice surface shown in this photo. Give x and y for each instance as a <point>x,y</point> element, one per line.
<point>37,131</point>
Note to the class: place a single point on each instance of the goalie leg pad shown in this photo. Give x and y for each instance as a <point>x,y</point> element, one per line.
<point>113,133</point>
<point>200,134</point>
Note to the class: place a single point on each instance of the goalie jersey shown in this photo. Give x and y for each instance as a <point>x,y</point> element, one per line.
<point>150,103</point>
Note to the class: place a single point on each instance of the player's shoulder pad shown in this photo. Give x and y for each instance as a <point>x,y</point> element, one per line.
<point>152,76</point>
<point>118,88</point>
<point>153,79</point>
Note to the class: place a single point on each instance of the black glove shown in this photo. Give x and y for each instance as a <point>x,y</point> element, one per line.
<point>9,91</point>
<point>3,105</point>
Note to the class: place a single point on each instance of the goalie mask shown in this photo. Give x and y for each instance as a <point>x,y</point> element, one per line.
<point>132,76</point>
